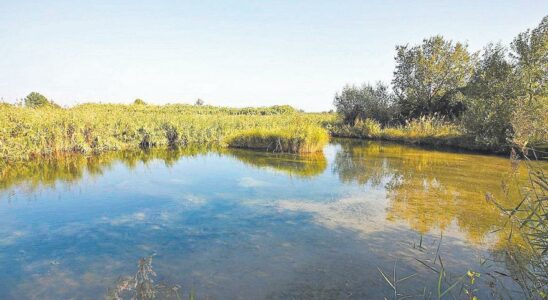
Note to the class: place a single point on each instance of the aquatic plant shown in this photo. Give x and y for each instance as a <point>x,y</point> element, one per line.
<point>431,130</point>
<point>292,139</point>
<point>529,221</point>
<point>142,286</point>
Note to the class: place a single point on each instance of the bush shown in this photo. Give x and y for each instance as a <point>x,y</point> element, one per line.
<point>139,102</point>
<point>37,100</point>
<point>366,102</point>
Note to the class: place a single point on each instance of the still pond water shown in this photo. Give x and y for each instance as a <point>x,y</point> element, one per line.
<point>237,224</point>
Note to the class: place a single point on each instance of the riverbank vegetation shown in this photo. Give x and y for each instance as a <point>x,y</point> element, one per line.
<point>297,138</point>
<point>442,93</point>
<point>45,130</point>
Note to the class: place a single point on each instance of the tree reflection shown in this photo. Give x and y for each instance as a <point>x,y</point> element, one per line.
<point>429,190</point>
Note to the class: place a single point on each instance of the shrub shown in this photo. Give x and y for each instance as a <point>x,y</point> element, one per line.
<point>37,100</point>
<point>139,101</point>
<point>366,102</point>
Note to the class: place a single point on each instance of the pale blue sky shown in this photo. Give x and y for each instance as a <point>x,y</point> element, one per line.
<point>235,53</point>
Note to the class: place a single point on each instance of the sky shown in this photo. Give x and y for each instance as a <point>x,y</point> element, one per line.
<point>230,53</point>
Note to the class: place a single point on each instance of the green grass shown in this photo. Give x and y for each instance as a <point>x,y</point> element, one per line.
<point>295,138</point>
<point>425,131</point>
<point>94,128</point>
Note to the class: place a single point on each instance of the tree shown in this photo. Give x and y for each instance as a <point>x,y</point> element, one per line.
<point>199,102</point>
<point>428,77</point>
<point>490,99</point>
<point>365,102</point>
<point>530,54</point>
<point>36,100</point>
<point>139,101</point>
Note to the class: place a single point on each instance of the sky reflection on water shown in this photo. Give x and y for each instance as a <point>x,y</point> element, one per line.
<point>236,224</point>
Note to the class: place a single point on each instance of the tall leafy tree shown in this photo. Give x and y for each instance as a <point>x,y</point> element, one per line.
<point>429,77</point>
<point>530,54</point>
<point>491,98</point>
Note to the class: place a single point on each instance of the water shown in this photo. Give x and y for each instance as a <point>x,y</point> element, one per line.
<point>236,224</point>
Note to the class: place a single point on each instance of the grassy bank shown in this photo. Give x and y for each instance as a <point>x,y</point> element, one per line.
<point>93,128</point>
<point>296,138</point>
<point>421,131</point>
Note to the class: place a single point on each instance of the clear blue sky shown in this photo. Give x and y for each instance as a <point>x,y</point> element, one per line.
<point>235,53</point>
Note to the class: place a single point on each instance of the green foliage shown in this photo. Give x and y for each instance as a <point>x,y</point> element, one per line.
<point>139,101</point>
<point>527,220</point>
<point>298,137</point>
<point>37,100</point>
<point>428,77</point>
<point>494,103</point>
<point>424,130</point>
<point>365,102</point>
<point>530,53</point>
<point>490,100</point>
<point>93,128</point>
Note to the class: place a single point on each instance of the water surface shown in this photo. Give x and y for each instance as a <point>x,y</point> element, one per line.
<point>236,224</point>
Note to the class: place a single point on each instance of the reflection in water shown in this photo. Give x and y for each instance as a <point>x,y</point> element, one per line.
<point>306,165</point>
<point>142,286</point>
<point>71,168</point>
<point>243,224</point>
<point>430,190</point>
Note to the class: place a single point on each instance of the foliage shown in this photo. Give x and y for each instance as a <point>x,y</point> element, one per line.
<point>295,138</point>
<point>424,130</point>
<point>365,102</point>
<point>493,103</point>
<point>528,220</point>
<point>139,101</point>
<point>490,99</point>
<point>93,128</point>
<point>37,100</point>
<point>428,77</point>
<point>199,102</point>
<point>530,53</point>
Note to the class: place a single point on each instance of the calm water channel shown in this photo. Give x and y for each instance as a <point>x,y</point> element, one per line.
<point>237,224</point>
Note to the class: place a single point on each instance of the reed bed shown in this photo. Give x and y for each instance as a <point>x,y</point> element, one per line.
<point>424,130</point>
<point>296,138</point>
<point>93,128</point>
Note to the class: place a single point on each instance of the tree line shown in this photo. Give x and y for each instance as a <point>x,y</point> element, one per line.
<point>498,96</point>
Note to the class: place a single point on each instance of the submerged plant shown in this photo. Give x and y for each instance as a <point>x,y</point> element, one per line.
<point>141,286</point>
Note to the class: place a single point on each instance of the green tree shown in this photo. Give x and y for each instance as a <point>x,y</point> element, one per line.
<point>139,101</point>
<point>199,102</point>
<point>429,77</point>
<point>35,100</point>
<point>490,99</point>
<point>365,102</point>
<point>530,54</point>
